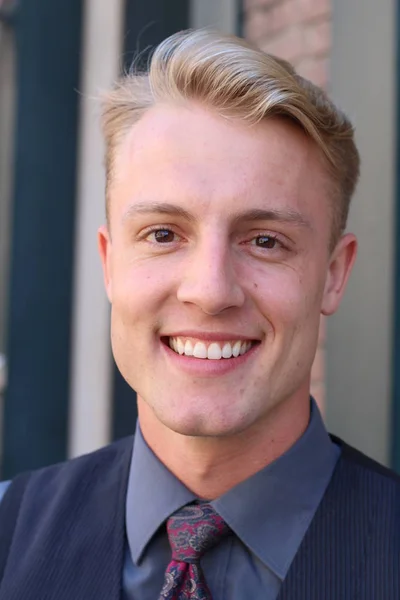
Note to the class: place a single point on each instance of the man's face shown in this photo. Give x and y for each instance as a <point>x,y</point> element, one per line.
<point>218,247</point>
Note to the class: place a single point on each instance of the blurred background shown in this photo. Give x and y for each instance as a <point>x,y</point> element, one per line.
<point>60,392</point>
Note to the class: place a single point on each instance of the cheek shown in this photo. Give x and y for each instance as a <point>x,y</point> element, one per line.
<point>287,297</point>
<point>139,292</point>
<point>278,290</point>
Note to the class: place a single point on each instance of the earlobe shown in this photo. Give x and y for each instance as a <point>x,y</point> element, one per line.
<point>340,266</point>
<point>104,248</point>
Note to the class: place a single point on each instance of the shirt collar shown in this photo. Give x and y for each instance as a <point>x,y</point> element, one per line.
<point>283,497</point>
<point>154,493</point>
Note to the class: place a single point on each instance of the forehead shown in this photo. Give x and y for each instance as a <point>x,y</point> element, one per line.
<point>189,153</point>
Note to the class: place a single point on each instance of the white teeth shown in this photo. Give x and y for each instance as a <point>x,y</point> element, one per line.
<point>188,348</point>
<point>214,352</point>
<point>227,350</point>
<point>236,349</point>
<point>200,350</point>
<point>243,348</point>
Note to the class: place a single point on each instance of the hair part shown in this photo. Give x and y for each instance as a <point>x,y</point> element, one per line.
<point>237,81</point>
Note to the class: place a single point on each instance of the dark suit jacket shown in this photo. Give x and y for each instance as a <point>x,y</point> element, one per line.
<point>62,533</point>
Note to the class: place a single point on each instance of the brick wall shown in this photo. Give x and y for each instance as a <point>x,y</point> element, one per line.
<point>300,32</point>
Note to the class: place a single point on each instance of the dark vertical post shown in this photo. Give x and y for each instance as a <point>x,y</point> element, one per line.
<point>48,40</point>
<point>240,18</point>
<point>146,24</point>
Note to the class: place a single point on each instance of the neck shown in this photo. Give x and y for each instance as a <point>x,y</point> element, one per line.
<point>210,466</point>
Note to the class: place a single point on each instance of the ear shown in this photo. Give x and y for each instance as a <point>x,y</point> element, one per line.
<point>340,266</point>
<point>104,246</point>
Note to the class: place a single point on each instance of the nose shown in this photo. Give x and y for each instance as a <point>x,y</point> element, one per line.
<point>209,280</point>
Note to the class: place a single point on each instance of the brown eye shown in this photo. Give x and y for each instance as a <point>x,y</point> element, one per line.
<point>163,236</point>
<point>265,241</point>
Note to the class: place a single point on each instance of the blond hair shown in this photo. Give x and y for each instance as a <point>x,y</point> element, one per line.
<point>238,81</point>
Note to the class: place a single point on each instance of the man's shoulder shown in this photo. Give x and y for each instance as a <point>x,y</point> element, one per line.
<point>3,488</point>
<point>353,458</point>
<point>92,463</point>
<point>53,515</point>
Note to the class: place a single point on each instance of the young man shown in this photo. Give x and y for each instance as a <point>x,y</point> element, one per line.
<point>229,179</point>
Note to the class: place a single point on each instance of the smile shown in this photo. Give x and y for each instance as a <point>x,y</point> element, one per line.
<point>212,350</point>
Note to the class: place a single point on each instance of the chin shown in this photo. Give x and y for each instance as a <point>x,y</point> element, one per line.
<point>205,424</point>
<point>207,430</point>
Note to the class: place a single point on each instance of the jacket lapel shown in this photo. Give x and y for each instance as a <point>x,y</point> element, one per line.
<point>74,519</point>
<point>330,562</point>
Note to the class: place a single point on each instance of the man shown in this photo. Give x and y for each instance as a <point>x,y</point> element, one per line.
<point>229,179</point>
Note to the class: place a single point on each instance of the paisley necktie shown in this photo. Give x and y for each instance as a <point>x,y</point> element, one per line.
<point>192,531</point>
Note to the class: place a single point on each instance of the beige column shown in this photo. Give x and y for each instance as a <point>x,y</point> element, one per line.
<point>90,401</point>
<point>359,340</point>
<point>7,132</point>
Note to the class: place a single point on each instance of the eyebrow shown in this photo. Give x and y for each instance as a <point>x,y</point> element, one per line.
<point>160,208</point>
<point>286,215</point>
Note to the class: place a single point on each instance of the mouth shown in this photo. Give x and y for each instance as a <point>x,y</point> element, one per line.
<point>209,349</point>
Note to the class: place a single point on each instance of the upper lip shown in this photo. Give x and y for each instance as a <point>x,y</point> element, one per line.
<point>211,336</point>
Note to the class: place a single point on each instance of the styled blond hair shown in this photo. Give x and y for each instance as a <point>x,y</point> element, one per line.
<point>241,82</point>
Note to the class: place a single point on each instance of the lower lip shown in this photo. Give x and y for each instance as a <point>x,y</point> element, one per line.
<point>205,367</point>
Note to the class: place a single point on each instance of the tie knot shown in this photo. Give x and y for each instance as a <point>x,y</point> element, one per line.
<point>193,530</point>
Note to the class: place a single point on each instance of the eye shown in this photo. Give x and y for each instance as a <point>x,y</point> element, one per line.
<point>162,236</point>
<point>265,241</point>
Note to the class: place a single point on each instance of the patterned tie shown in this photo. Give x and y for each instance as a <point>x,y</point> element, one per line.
<point>192,531</point>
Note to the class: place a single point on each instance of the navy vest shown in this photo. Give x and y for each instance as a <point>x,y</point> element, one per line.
<point>62,533</point>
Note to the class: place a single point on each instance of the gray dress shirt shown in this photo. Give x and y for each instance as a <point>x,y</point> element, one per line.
<point>268,513</point>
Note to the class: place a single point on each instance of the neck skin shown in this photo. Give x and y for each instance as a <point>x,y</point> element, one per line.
<point>209,467</point>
